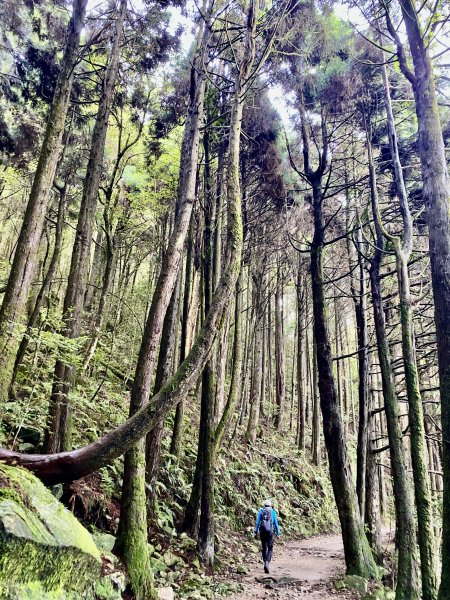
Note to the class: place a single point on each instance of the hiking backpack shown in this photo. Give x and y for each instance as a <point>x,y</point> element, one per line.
<point>266,525</point>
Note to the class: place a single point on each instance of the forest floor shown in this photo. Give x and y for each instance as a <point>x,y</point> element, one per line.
<point>299,569</point>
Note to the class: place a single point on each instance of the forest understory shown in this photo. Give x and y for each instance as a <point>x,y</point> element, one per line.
<point>224,289</point>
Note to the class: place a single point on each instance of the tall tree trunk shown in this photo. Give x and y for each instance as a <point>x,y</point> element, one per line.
<point>206,528</point>
<point>372,509</point>
<point>256,364</point>
<point>131,539</point>
<point>269,356</point>
<point>358,556</point>
<point>95,275</point>
<point>316,451</point>
<point>175,444</point>
<point>46,284</point>
<point>236,370</point>
<point>301,421</point>
<point>403,251</point>
<point>408,582</point>
<point>107,284</point>
<point>279,352</point>
<point>26,254</point>
<point>436,194</point>
<point>59,432</point>
<point>163,373</point>
<point>208,402</point>
<point>359,300</point>
<point>337,371</point>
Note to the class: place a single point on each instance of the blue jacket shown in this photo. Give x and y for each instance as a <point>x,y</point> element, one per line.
<point>274,520</point>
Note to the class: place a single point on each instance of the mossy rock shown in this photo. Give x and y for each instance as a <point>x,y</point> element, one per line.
<point>242,570</point>
<point>380,594</point>
<point>170,559</point>
<point>34,591</point>
<point>357,583</point>
<point>42,545</point>
<point>158,566</point>
<point>104,541</point>
<point>106,589</point>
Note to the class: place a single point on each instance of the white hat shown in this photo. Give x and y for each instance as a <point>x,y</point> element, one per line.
<point>268,503</point>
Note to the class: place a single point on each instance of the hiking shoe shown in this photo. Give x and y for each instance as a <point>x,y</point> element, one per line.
<point>266,567</point>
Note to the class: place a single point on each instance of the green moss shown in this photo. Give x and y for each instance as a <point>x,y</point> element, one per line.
<point>41,542</point>
<point>136,551</point>
<point>34,591</point>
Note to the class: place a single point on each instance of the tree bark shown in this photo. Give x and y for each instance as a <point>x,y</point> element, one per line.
<point>315,441</point>
<point>403,249</point>
<point>256,364</point>
<point>359,299</point>
<point>59,432</point>
<point>358,556</point>
<point>208,403</point>
<point>408,582</point>
<point>175,444</point>
<point>279,352</point>
<point>131,534</point>
<point>25,257</point>
<point>46,284</point>
<point>301,420</point>
<point>163,372</point>
<point>436,194</point>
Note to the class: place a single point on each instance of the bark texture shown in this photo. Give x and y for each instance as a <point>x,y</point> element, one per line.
<point>26,254</point>
<point>59,431</point>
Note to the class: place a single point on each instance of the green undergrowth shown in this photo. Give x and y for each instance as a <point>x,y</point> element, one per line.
<point>246,475</point>
<point>273,469</point>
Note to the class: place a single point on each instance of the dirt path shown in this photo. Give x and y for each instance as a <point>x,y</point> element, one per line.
<point>299,569</point>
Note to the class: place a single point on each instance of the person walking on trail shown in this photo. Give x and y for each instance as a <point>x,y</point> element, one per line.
<point>266,526</point>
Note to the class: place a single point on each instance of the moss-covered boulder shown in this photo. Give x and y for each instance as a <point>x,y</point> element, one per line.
<point>41,542</point>
<point>357,583</point>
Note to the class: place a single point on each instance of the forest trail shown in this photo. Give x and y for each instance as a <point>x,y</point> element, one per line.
<point>299,569</point>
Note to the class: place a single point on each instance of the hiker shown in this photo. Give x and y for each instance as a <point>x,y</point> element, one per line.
<point>266,526</point>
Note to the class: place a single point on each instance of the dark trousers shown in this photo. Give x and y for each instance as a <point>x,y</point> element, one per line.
<point>267,546</point>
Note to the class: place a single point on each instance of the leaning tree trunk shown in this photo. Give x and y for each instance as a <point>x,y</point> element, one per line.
<point>25,256</point>
<point>59,431</point>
